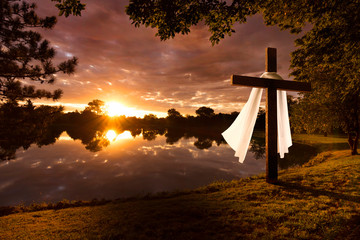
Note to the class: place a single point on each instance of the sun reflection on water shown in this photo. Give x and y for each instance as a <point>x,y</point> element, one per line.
<point>125,135</point>
<point>112,136</point>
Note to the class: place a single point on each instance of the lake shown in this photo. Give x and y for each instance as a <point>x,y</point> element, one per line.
<point>125,166</point>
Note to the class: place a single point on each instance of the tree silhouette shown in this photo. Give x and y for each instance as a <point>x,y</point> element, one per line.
<point>150,117</point>
<point>96,106</point>
<point>69,7</point>
<point>173,114</point>
<point>205,112</point>
<point>25,55</point>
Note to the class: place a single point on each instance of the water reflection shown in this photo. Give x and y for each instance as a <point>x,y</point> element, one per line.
<point>124,168</point>
<point>75,159</point>
<point>111,135</point>
<point>96,139</point>
<point>257,146</point>
<point>20,128</point>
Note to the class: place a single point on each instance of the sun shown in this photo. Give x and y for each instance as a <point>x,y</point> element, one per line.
<point>116,109</point>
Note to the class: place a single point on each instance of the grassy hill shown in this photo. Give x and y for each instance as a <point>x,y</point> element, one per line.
<point>319,200</point>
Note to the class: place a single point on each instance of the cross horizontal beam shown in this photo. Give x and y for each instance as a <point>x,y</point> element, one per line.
<point>270,83</point>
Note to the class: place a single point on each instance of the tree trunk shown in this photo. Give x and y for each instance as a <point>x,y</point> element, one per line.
<point>356,143</point>
<point>353,143</point>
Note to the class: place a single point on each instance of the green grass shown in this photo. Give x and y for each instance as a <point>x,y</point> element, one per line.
<point>323,143</point>
<point>320,200</point>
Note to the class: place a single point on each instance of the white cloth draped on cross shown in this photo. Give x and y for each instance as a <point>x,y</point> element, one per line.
<point>238,135</point>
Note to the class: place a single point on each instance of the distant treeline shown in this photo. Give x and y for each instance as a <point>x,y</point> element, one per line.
<point>21,126</point>
<point>205,118</point>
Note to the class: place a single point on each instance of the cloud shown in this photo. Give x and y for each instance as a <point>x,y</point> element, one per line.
<point>146,73</point>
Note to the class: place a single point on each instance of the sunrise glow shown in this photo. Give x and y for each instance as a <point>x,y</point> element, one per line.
<point>114,109</point>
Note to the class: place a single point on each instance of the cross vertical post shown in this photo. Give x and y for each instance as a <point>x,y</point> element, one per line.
<point>270,60</point>
<point>271,121</point>
<point>272,85</point>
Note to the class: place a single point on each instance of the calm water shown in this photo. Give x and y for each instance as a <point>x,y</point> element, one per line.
<point>126,167</point>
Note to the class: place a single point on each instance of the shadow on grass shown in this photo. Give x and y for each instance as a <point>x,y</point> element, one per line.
<point>352,229</point>
<point>317,192</point>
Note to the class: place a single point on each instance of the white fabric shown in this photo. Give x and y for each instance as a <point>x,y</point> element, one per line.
<point>283,125</point>
<point>238,135</point>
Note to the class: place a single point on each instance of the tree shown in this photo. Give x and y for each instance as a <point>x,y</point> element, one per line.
<point>150,118</point>
<point>311,117</point>
<point>69,7</point>
<point>328,56</point>
<point>96,106</point>
<point>24,55</point>
<point>324,109</point>
<point>173,114</point>
<point>205,112</point>
<point>174,17</point>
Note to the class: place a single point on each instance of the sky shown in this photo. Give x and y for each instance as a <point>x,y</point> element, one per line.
<point>119,62</point>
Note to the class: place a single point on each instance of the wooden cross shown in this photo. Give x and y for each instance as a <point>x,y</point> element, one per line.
<point>271,86</point>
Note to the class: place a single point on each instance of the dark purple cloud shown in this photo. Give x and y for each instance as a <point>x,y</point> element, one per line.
<point>119,62</point>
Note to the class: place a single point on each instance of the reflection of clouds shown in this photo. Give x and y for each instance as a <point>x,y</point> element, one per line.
<point>5,185</point>
<point>125,168</point>
<point>4,163</point>
<point>65,137</point>
<point>195,154</point>
<point>35,164</point>
<point>60,161</point>
<point>147,150</point>
<point>120,174</point>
